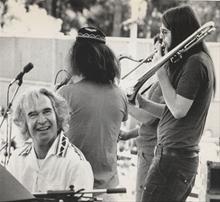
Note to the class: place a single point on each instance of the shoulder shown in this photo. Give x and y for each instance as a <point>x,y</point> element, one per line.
<point>199,58</point>
<point>64,89</point>
<point>69,92</point>
<point>198,63</point>
<point>76,158</point>
<point>192,60</point>
<point>70,154</point>
<point>75,153</point>
<point>79,87</point>
<point>120,92</point>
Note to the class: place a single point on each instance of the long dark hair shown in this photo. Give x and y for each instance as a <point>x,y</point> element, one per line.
<point>95,61</point>
<point>182,22</point>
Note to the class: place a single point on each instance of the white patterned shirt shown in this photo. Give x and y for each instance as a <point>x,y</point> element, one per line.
<point>64,165</point>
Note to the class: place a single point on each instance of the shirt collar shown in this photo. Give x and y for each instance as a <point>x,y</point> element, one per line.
<point>59,147</point>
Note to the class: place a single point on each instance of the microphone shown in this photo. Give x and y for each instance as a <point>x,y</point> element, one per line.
<point>19,77</point>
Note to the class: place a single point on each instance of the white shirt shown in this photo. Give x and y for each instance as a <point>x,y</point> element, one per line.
<point>64,165</point>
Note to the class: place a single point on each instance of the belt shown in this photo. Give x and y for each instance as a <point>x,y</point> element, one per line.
<point>181,153</point>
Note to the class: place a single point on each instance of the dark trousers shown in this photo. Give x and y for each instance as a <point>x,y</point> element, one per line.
<point>170,179</point>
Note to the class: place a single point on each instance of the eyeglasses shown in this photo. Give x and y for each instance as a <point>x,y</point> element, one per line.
<point>164,31</point>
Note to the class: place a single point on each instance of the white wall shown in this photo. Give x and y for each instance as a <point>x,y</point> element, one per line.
<point>50,55</point>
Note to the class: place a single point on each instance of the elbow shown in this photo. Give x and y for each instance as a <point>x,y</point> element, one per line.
<point>178,114</point>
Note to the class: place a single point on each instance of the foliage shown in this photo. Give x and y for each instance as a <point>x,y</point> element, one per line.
<point>205,10</point>
<point>164,5</point>
<point>209,11</point>
<point>17,19</point>
<point>112,16</point>
<point>78,13</point>
<point>154,11</point>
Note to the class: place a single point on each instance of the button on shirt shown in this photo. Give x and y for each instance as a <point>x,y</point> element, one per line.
<point>63,166</point>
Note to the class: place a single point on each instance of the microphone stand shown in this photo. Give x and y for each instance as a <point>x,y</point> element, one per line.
<point>5,116</point>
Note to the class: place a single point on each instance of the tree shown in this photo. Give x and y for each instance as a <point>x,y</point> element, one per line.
<point>155,8</point>
<point>109,15</point>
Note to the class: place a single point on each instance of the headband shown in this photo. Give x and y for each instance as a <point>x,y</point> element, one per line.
<point>91,33</point>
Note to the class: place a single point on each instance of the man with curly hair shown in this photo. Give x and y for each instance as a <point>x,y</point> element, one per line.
<point>50,161</point>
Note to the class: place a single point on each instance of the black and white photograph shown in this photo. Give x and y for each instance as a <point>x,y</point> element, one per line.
<point>109,100</point>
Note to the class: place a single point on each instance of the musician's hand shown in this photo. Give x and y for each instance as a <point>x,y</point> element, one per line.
<point>161,51</point>
<point>157,45</point>
<point>129,93</point>
<point>127,135</point>
<point>123,135</point>
<point>141,100</point>
<point>156,57</point>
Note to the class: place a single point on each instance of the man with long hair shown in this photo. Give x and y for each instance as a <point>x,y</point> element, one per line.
<point>98,105</point>
<point>187,87</point>
<point>49,161</point>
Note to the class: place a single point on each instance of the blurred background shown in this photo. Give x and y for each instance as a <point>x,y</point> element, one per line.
<point>113,17</point>
<point>42,31</point>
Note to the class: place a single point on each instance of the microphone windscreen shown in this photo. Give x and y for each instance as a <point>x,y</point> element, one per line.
<point>28,67</point>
